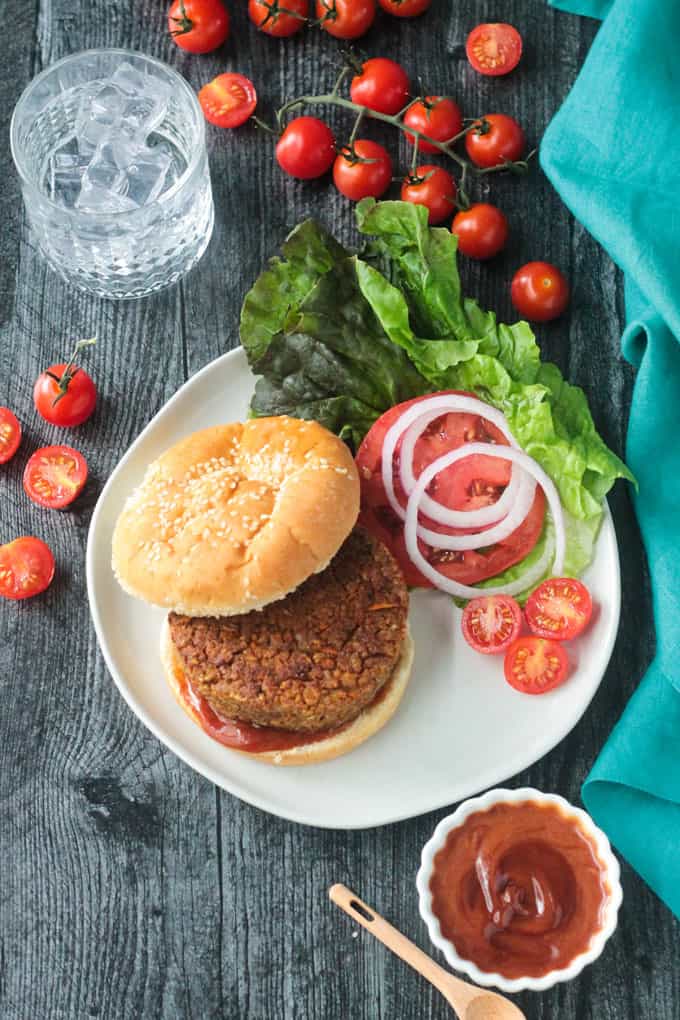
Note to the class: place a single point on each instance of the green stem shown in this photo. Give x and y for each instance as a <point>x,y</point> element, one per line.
<point>67,375</point>
<point>352,138</point>
<point>184,21</point>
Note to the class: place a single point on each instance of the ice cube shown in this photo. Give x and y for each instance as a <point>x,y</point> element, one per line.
<point>96,199</point>
<point>142,115</point>
<point>103,171</point>
<point>146,176</point>
<point>99,116</point>
<point>65,170</point>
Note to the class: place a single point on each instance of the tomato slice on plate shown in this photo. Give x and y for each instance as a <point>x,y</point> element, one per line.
<point>55,476</point>
<point>494,49</point>
<point>560,608</point>
<point>228,100</point>
<point>10,434</point>
<point>491,623</point>
<point>26,568</point>
<point>472,483</point>
<point>534,665</point>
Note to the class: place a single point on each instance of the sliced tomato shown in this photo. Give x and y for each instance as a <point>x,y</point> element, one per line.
<point>472,483</point>
<point>55,476</point>
<point>534,665</point>
<point>228,100</point>
<point>494,49</point>
<point>26,568</point>
<point>491,623</point>
<point>560,608</point>
<point>10,434</point>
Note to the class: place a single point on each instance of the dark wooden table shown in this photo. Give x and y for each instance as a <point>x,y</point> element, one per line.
<point>129,886</point>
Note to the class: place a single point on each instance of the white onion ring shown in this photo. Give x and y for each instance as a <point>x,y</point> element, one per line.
<point>466,591</point>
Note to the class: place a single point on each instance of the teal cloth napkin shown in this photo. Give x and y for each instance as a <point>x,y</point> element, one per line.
<point>613,154</point>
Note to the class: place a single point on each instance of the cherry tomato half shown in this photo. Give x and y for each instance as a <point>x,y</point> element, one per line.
<point>482,230</point>
<point>10,434</point>
<point>539,291</point>
<point>534,665</point>
<point>306,149</point>
<point>64,394</point>
<point>405,8</point>
<point>198,26</point>
<point>228,100</point>
<point>346,19</point>
<point>560,608</point>
<point>26,568</point>
<point>357,179</point>
<point>436,116</point>
<point>491,623</point>
<point>279,18</point>
<point>502,142</point>
<point>494,49</point>
<point>55,476</point>
<point>434,188</point>
<point>383,85</point>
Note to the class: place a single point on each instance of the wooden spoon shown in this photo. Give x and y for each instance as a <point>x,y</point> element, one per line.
<point>467,1001</point>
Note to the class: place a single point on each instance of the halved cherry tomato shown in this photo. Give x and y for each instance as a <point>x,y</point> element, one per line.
<point>534,665</point>
<point>228,100</point>
<point>494,49</point>
<point>539,291</point>
<point>198,26</point>
<point>279,18</point>
<point>405,8</point>
<point>346,19</point>
<point>10,434</point>
<point>436,116</point>
<point>55,476</point>
<point>65,394</point>
<point>363,171</point>
<point>432,187</point>
<point>26,568</point>
<point>306,149</point>
<point>559,608</point>
<point>491,623</point>
<point>482,230</point>
<point>494,140</point>
<point>383,85</point>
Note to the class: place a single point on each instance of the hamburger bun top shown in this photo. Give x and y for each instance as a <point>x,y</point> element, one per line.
<point>236,516</point>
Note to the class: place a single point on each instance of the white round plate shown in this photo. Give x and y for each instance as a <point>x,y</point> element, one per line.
<point>460,728</point>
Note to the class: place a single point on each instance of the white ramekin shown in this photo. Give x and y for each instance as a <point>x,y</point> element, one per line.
<point>483,803</point>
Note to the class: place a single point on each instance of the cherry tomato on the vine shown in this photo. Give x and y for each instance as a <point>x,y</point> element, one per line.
<point>432,187</point>
<point>65,394</point>
<point>539,291</point>
<point>535,665</point>
<point>198,26</point>
<point>54,476</point>
<point>494,140</point>
<point>405,8</point>
<point>383,85</point>
<point>494,49</point>
<point>436,116</point>
<point>306,149</point>
<point>346,19</point>
<point>10,434</point>
<point>482,230</point>
<point>279,18</point>
<point>26,568</point>
<point>363,171</point>
<point>228,100</point>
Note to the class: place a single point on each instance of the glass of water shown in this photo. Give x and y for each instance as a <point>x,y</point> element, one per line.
<point>110,149</point>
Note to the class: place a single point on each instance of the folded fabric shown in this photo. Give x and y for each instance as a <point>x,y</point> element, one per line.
<point>613,154</point>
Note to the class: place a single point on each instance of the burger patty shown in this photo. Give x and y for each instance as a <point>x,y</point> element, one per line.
<point>311,661</point>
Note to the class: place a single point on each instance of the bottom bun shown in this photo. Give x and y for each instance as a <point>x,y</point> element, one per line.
<point>368,722</point>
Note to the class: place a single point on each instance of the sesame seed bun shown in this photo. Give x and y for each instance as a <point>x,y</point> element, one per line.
<point>368,722</point>
<point>236,516</point>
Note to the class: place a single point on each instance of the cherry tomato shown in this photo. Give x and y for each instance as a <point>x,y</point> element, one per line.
<point>306,148</point>
<point>228,100</point>
<point>65,394</point>
<point>10,434</point>
<point>346,19</point>
<point>436,116</point>
<point>278,17</point>
<point>560,608</point>
<point>198,26</point>
<point>405,8</point>
<point>534,665</point>
<point>502,142</point>
<point>26,568</point>
<point>356,179</point>
<point>434,188</point>
<point>55,476</point>
<point>491,623</point>
<point>482,230</point>
<point>383,85</point>
<point>494,49</point>
<point>539,291</point>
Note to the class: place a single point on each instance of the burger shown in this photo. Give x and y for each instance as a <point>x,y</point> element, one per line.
<point>287,633</point>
